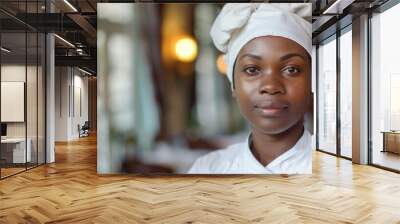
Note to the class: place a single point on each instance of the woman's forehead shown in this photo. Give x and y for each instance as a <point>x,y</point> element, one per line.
<point>272,46</point>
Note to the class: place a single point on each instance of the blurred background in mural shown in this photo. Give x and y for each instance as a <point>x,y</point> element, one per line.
<point>164,99</point>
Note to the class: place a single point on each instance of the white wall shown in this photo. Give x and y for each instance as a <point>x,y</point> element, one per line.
<point>12,73</point>
<point>80,84</point>
<point>62,81</point>
<point>70,83</point>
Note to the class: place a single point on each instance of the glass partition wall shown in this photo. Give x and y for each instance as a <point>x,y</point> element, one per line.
<point>345,108</point>
<point>326,91</point>
<point>385,89</point>
<point>22,88</point>
<point>334,81</point>
<point>334,94</point>
<point>13,109</point>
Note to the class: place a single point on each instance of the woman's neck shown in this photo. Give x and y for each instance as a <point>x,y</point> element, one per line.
<point>267,147</point>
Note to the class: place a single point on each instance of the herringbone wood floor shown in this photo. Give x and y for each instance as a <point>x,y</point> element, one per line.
<point>70,191</point>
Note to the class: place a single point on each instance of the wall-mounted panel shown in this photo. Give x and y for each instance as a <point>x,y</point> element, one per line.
<point>12,101</point>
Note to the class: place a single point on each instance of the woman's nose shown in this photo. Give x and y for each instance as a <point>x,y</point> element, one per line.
<point>271,84</point>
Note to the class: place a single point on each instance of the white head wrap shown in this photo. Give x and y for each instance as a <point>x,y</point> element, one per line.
<point>238,23</point>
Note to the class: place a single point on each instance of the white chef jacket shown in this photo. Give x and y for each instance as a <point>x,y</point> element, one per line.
<point>238,159</point>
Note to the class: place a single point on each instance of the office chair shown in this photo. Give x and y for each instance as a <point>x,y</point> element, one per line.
<point>84,130</point>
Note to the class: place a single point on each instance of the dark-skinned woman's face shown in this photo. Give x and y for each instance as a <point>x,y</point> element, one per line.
<point>272,78</point>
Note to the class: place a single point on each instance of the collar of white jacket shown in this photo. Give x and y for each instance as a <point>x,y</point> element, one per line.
<point>238,23</point>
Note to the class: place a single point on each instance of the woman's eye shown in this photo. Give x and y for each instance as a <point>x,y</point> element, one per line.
<point>252,70</point>
<point>291,70</point>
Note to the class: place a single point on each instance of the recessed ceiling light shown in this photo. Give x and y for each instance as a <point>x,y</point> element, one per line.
<point>84,71</point>
<point>64,40</point>
<point>70,5</point>
<point>337,7</point>
<point>5,50</point>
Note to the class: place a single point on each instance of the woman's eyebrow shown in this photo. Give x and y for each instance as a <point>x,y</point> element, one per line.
<point>251,56</point>
<point>285,57</point>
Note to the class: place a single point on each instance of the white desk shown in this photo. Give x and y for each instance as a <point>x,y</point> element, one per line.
<point>19,149</point>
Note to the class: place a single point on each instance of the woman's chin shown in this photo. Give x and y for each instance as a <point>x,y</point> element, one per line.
<point>273,128</point>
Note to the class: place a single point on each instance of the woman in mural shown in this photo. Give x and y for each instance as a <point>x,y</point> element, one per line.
<point>267,50</point>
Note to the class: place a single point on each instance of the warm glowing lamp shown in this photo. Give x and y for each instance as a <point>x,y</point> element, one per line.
<point>221,64</point>
<point>186,49</point>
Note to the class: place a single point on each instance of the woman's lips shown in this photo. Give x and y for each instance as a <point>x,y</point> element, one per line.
<point>271,108</point>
